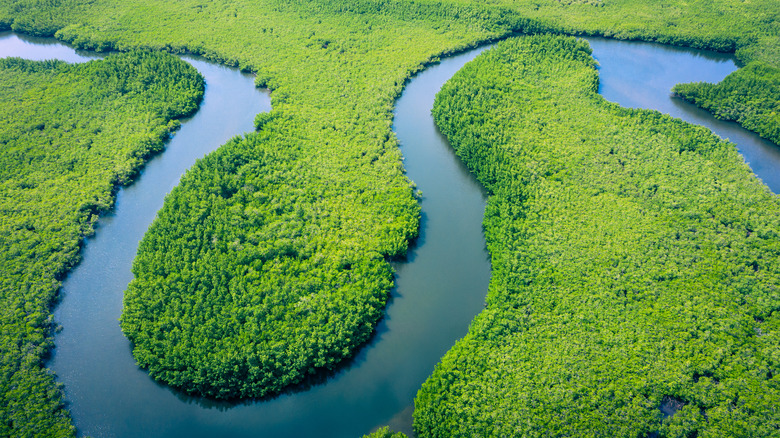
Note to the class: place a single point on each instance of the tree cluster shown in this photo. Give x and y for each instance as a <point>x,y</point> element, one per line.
<point>327,201</point>
<point>69,134</point>
<point>750,96</point>
<point>635,287</point>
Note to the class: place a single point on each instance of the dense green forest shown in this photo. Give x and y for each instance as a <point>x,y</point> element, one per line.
<point>252,276</point>
<point>319,190</point>
<point>269,262</point>
<point>635,280</point>
<point>749,96</point>
<point>70,134</point>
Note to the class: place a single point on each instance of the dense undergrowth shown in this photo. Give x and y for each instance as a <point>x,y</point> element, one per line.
<point>294,223</point>
<point>69,135</point>
<point>635,282</point>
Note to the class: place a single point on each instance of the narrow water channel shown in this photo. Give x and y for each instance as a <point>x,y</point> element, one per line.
<point>440,288</point>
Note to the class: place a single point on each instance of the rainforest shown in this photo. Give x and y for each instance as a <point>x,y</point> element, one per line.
<point>71,134</point>
<point>621,282</point>
<point>634,256</point>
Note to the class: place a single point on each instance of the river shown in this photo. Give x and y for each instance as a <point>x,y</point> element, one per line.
<point>641,75</point>
<point>439,288</point>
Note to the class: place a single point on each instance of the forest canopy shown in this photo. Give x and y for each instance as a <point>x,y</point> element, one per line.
<point>635,285</point>
<point>69,135</point>
<point>335,68</point>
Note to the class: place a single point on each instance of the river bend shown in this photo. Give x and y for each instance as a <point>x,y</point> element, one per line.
<point>439,288</point>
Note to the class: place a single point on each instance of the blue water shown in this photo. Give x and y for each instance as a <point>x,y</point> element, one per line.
<point>641,75</point>
<point>440,288</point>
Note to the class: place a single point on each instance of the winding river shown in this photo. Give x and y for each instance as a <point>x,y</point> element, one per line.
<point>440,288</point>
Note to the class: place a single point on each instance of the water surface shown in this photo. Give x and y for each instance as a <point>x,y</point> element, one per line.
<point>440,288</point>
<point>641,75</point>
<point>40,49</point>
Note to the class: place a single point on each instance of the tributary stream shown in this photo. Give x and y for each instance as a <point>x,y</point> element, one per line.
<point>440,287</point>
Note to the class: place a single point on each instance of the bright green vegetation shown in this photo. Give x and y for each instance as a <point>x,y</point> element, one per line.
<point>269,261</point>
<point>253,276</point>
<point>749,96</point>
<point>70,134</point>
<point>281,237</point>
<point>634,264</point>
<point>385,432</point>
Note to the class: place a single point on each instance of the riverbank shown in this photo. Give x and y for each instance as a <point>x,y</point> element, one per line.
<point>631,261</point>
<point>72,135</point>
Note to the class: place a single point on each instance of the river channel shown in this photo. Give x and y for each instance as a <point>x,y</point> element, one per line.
<point>440,287</point>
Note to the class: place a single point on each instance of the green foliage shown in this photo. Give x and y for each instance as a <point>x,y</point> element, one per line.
<point>250,279</point>
<point>327,190</point>
<point>38,17</point>
<point>69,135</point>
<point>385,432</point>
<point>750,96</point>
<point>269,261</point>
<point>634,264</point>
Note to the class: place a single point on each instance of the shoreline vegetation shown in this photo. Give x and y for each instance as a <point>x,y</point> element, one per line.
<point>281,240</point>
<point>71,135</point>
<point>635,284</point>
<point>750,96</point>
<point>308,209</point>
<point>385,432</point>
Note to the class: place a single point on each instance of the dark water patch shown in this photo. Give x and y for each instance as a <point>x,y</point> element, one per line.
<point>670,406</point>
